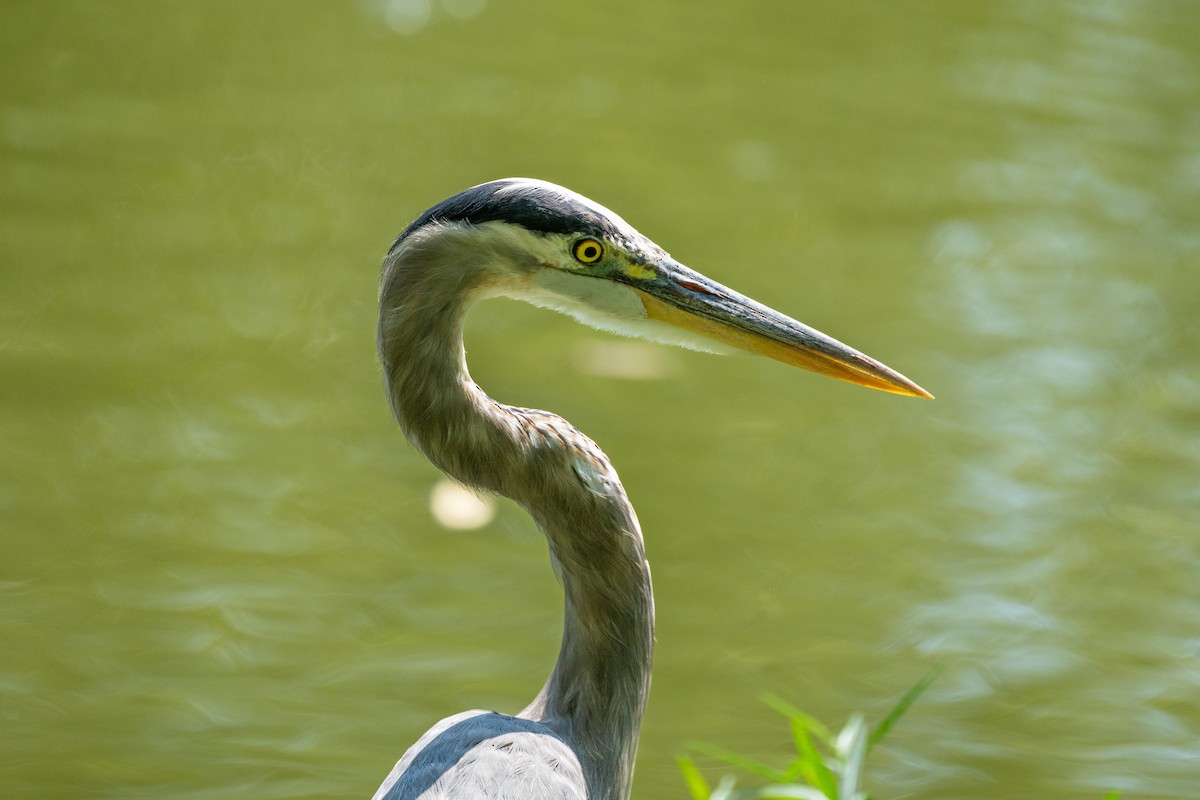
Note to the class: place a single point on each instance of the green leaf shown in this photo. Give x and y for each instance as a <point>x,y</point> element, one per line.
<point>724,790</point>
<point>750,765</point>
<point>784,791</point>
<point>797,716</point>
<point>812,765</point>
<point>852,752</point>
<point>694,780</point>
<point>910,697</point>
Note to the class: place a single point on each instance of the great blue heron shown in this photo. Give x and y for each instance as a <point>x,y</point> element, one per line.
<point>542,243</point>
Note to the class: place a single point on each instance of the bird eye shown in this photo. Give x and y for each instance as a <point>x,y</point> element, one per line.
<point>587,251</point>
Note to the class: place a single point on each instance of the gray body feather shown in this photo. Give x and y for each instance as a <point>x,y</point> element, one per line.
<point>479,754</point>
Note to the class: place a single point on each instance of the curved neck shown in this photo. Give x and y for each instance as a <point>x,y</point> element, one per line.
<point>597,692</point>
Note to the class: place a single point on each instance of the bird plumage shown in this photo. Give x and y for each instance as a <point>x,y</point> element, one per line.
<point>540,242</point>
<point>478,754</point>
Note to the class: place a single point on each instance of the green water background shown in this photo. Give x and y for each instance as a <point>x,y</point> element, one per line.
<point>220,576</point>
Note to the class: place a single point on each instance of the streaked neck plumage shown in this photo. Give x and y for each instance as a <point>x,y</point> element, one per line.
<point>596,694</point>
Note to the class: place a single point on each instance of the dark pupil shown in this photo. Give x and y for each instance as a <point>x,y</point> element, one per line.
<point>589,251</point>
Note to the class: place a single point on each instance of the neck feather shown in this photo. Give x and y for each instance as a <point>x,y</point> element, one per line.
<point>597,691</point>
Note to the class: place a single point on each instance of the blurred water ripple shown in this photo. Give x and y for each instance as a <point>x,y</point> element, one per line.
<point>1086,576</point>
<point>222,575</point>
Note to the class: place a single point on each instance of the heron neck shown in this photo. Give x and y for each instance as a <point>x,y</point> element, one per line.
<point>597,692</point>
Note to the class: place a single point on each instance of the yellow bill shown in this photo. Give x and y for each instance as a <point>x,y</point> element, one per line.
<point>686,299</point>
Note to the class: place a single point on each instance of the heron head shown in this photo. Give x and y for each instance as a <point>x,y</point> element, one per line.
<point>550,246</point>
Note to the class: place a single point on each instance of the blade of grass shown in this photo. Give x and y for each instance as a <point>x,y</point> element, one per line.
<point>750,765</point>
<point>694,780</point>
<point>810,763</point>
<point>790,711</point>
<point>852,752</point>
<point>724,790</point>
<point>898,711</point>
<point>784,791</point>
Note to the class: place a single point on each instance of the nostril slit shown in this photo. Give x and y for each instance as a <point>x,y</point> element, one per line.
<point>695,287</point>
